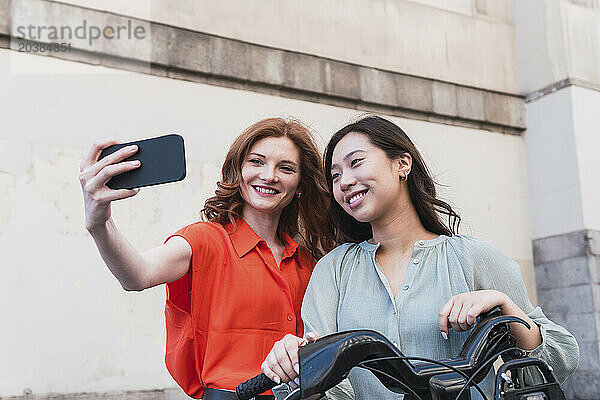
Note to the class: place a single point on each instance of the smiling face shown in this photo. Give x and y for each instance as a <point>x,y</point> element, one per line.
<point>270,175</point>
<point>366,183</point>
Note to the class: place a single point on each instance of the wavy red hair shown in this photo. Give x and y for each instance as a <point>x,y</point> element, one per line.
<point>304,218</point>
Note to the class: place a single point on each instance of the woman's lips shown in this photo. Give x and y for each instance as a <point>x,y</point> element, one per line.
<point>265,191</point>
<point>356,199</point>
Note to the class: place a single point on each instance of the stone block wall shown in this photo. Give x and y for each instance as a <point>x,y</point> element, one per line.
<point>567,269</point>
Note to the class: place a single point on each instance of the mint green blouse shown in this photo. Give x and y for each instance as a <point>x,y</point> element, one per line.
<point>348,290</point>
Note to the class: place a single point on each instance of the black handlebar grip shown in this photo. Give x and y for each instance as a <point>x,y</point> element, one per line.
<point>495,311</point>
<point>254,386</point>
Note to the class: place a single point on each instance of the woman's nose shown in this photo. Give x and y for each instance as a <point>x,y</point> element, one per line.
<point>347,181</point>
<point>268,174</point>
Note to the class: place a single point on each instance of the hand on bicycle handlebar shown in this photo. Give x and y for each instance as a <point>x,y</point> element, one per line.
<point>462,310</point>
<point>281,364</point>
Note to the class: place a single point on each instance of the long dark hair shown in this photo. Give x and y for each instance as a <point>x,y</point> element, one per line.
<point>394,142</point>
<point>304,216</point>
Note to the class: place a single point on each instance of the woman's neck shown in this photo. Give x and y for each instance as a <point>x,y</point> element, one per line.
<point>399,230</point>
<point>263,224</point>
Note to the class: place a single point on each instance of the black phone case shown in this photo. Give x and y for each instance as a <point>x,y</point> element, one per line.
<point>162,158</point>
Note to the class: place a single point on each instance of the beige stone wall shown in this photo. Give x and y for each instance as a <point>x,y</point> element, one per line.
<point>562,43</point>
<point>463,41</point>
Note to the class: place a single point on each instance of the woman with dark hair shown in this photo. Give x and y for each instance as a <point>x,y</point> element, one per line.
<point>234,281</point>
<point>402,271</point>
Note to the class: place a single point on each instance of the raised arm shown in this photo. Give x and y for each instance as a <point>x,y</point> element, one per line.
<point>134,270</point>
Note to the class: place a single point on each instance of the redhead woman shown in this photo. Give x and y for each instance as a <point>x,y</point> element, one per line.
<point>235,281</point>
<point>402,271</point>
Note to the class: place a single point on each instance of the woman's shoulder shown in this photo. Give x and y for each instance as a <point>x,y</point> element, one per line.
<point>329,267</point>
<point>338,253</point>
<point>204,226</point>
<point>305,257</point>
<point>339,257</point>
<point>203,231</point>
<point>482,257</point>
<point>469,246</point>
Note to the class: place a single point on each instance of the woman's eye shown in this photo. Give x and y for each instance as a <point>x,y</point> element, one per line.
<point>256,161</point>
<point>356,160</point>
<point>334,176</point>
<point>288,169</point>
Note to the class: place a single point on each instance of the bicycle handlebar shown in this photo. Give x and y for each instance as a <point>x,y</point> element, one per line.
<point>327,361</point>
<point>253,387</point>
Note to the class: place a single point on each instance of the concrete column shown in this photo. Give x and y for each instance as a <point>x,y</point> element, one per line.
<point>561,144</point>
<point>558,52</point>
<point>567,270</point>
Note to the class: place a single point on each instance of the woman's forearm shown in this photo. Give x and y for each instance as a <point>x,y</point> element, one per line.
<point>119,255</point>
<point>527,339</point>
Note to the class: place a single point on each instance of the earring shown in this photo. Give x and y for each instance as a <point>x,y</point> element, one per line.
<point>298,194</point>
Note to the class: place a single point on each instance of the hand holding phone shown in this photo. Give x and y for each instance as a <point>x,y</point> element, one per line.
<point>118,164</point>
<point>162,161</point>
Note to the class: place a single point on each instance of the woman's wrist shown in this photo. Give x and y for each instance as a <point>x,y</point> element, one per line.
<point>100,229</point>
<point>527,339</point>
<point>508,306</point>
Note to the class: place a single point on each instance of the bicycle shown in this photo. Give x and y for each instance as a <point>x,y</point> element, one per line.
<point>327,361</point>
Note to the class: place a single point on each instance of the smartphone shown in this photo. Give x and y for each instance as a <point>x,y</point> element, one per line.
<point>162,160</point>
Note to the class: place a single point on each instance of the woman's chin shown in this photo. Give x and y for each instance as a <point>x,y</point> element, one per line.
<point>268,207</point>
<point>360,216</point>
